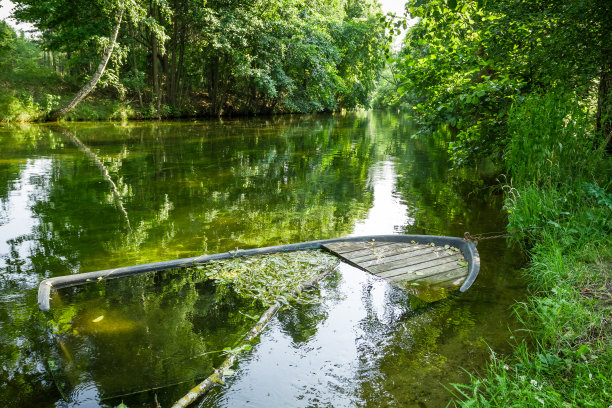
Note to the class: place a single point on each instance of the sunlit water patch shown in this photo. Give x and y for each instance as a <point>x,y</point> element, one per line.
<point>388,213</point>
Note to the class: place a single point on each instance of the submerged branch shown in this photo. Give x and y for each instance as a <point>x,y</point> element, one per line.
<point>217,376</point>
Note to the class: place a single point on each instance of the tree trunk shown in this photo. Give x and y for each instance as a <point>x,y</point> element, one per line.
<point>214,85</point>
<point>178,89</point>
<point>163,86</point>
<point>91,84</point>
<point>178,85</point>
<point>135,64</point>
<point>155,72</point>
<point>170,89</point>
<point>604,104</point>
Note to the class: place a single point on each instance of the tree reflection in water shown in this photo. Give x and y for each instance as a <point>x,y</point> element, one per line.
<point>207,187</point>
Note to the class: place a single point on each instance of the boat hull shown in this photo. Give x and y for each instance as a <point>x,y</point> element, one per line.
<point>467,248</point>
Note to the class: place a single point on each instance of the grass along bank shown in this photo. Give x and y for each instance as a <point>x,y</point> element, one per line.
<point>559,195</point>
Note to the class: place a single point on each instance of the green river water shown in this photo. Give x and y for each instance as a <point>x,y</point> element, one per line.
<point>93,196</point>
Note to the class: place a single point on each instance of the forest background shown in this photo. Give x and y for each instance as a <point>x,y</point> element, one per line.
<point>188,58</point>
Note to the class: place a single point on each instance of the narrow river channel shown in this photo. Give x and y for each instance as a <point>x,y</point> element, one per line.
<point>91,196</point>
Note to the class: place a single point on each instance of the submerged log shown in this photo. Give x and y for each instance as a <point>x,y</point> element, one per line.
<point>217,376</point>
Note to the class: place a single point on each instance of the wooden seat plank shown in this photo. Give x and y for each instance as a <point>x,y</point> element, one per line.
<point>366,262</point>
<point>451,275</point>
<point>423,269</point>
<point>420,266</point>
<point>431,257</point>
<point>346,245</point>
<point>389,252</point>
<point>403,261</point>
<point>370,249</point>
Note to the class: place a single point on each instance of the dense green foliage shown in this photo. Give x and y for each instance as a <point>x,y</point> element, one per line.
<point>19,71</point>
<point>561,200</point>
<point>220,57</point>
<point>466,63</point>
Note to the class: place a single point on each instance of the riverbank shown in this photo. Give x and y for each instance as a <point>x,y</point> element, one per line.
<point>31,94</point>
<point>559,197</point>
<point>29,98</point>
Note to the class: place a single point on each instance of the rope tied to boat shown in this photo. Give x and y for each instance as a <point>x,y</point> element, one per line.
<point>481,237</point>
<point>476,238</point>
<point>487,235</point>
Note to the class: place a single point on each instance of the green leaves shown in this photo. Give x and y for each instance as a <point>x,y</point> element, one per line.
<point>465,63</point>
<point>245,57</point>
<point>598,194</point>
<point>270,278</point>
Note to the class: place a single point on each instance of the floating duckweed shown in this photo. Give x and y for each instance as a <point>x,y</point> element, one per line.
<point>272,277</point>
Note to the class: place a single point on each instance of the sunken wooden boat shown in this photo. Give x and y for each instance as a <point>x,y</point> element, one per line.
<point>399,259</point>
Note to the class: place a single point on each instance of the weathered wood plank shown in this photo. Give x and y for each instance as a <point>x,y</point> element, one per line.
<point>358,249</point>
<point>431,258</point>
<point>428,264</point>
<point>387,251</point>
<point>415,272</point>
<point>373,250</point>
<point>451,276</point>
<point>366,262</point>
<point>340,246</point>
<point>344,248</point>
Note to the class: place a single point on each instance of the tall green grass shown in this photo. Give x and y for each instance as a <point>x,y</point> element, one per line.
<point>551,141</point>
<point>559,197</point>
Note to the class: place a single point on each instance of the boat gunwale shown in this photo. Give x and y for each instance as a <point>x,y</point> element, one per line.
<point>468,249</point>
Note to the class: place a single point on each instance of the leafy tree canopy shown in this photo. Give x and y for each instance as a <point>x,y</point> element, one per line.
<point>466,62</point>
<point>220,56</point>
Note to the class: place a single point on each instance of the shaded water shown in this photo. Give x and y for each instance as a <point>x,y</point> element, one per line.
<point>137,193</point>
<point>140,333</point>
